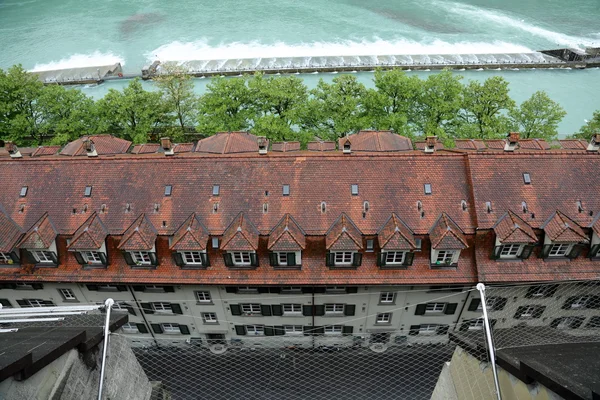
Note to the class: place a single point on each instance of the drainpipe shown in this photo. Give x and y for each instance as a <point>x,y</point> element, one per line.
<point>313,318</point>
<point>108,304</point>
<point>490,342</point>
<point>139,307</point>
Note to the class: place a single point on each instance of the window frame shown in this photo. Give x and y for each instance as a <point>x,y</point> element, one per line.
<point>394,255</point>
<point>203,296</point>
<point>445,257</point>
<point>248,309</point>
<point>562,251</point>
<point>476,324</point>
<point>255,330</point>
<point>296,330</point>
<point>130,327</point>
<point>47,260</point>
<point>141,260</point>
<point>69,296</point>
<point>343,255</point>
<point>435,308</point>
<point>241,255</point>
<point>295,309</point>
<point>196,257</point>
<point>428,329</point>
<point>170,328</point>
<point>334,309</point>
<point>509,253</point>
<point>162,307</point>
<point>210,318</point>
<point>333,330</point>
<point>384,318</point>
<point>384,298</point>
<point>95,258</point>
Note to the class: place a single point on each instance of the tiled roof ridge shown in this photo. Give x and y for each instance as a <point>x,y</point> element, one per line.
<point>566,224</point>
<point>85,231</point>
<point>34,230</point>
<point>135,228</point>
<point>188,230</point>
<point>240,222</point>
<point>287,218</point>
<point>517,223</point>
<point>448,222</point>
<point>397,222</point>
<point>344,220</point>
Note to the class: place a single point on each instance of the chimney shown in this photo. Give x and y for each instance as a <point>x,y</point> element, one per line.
<point>594,143</point>
<point>430,143</point>
<point>346,147</point>
<point>512,140</point>
<point>90,149</point>
<point>263,145</point>
<point>167,146</point>
<point>13,150</point>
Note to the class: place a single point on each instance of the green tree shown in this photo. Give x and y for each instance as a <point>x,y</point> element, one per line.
<point>133,114</point>
<point>177,90</point>
<point>538,117</point>
<point>591,127</point>
<point>484,108</point>
<point>335,109</point>
<point>225,107</point>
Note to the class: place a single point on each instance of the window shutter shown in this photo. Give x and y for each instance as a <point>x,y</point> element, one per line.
<point>357,259</point>
<point>538,312</point>
<point>5,303</point>
<point>169,289</point>
<point>381,259</point>
<point>450,308</point>
<point>474,304</point>
<point>178,259</point>
<point>593,302</point>
<point>319,310</point>
<point>230,289</point>
<point>103,258</point>
<point>262,289</point>
<point>319,289</point>
<point>54,257</point>
<point>153,259</point>
<point>49,303</point>
<point>265,310</point>
<point>420,309</point>
<point>279,331</point>
<point>329,259</point>
<point>235,309</point>
<point>347,329</point>
<point>319,330</point>
<point>184,329</point>
<point>551,290</point>
<point>526,252</point>
<point>495,254</point>
<point>568,303</point>
<point>275,289</point>
<point>307,330</point>
<point>205,259</point>
<point>228,260</point>
<point>575,251</point>
<point>576,323</point>
<point>142,328</point>
<point>307,289</point>
<point>307,311</point>
<point>254,259</point>
<point>156,328</point>
<point>442,330</point>
<point>520,310</point>
<point>147,308</point>
<point>15,257</point>
<point>30,258</point>
<point>352,289</point>
<point>269,331</point>
<point>129,308</point>
<point>23,303</point>
<point>408,259</point>
<point>128,258</point>
<point>277,310</point>
<point>545,251</point>
<point>92,288</point>
<point>593,251</point>
<point>349,310</point>
<point>79,258</point>
<point>499,303</point>
<point>138,288</point>
<point>273,259</point>
<point>240,330</point>
<point>37,286</point>
<point>176,308</point>
<point>414,330</point>
<point>291,259</point>
<point>555,323</point>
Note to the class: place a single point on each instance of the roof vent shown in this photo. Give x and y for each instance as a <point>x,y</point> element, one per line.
<point>265,208</point>
<point>90,149</point>
<point>524,207</point>
<point>167,146</point>
<point>511,141</point>
<point>594,143</point>
<point>463,205</point>
<point>13,150</point>
<point>103,208</point>
<point>488,206</point>
<point>430,143</point>
<point>579,206</point>
<point>263,145</point>
<point>21,208</point>
<point>346,148</point>
<point>156,207</point>
<point>323,207</point>
<point>215,207</point>
<point>366,206</point>
<point>127,207</point>
<point>419,205</point>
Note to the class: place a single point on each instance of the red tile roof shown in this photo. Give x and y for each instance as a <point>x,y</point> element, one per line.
<point>229,142</point>
<point>40,236</point>
<point>285,146</point>
<point>533,144</point>
<point>395,235</point>
<point>376,141</point>
<point>90,235</point>
<point>141,235</point>
<point>183,148</point>
<point>104,144</point>
<point>10,233</point>
<point>596,224</point>
<point>420,145</point>
<point>470,144</point>
<point>191,235</point>
<point>343,235</point>
<point>560,228</point>
<point>573,144</point>
<point>45,151</point>
<point>241,234</point>
<point>287,236</point>
<point>445,234</point>
<point>146,148</point>
<point>495,144</point>
<point>321,146</point>
<point>510,228</point>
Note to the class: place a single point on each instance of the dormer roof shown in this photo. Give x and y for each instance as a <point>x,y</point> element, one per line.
<point>376,141</point>
<point>140,235</point>
<point>396,235</point>
<point>287,236</point>
<point>596,224</point>
<point>446,234</point>
<point>90,235</point>
<point>229,142</point>
<point>103,144</point>
<point>560,228</point>
<point>321,145</point>
<point>40,236</point>
<point>511,228</point>
<point>343,235</point>
<point>241,234</point>
<point>10,233</point>
<point>191,235</point>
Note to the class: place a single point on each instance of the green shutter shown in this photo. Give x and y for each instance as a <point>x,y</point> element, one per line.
<point>128,259</point>
<point>153,259</point>
<point>54,257</point>
<point>420,309</point>
<point>156,328</point>
<point>30,257</point>
<point>575,251</point>
<point>269,331</point>
<point>474,304</point>
<point>176,308</point>
<point>594,251</point>
<point>205,260</point>
<point>496,253</point>
<point>349,310</point>
<point>545,251</point>
<point>184,329</point>
<point>273,260</point>
<point>228,260</point>
<point>279,331</point>
<point>265,310</point>
<point>138,288</point>
<point>408,259</point>
<point>277,310</point>
<point>169,289</point>
<point>526,252</point>
<point>254,259</point>
<point>381,259</point>
<point>329,259</point>
<point>352,289</point>
<point>147,308</point>
<point>347,329</point>
<point>450,308</point>
<point>235,309</point>
<point>15,257</point>
<point>79,258</point>
<point>92,288</point>
<point>37,286</point>
<point>357,259</point>
<point>240,330</point>
<point>307,310</point>
<point>319,310</point>
<point>129,308</point>
<point>142,328</point>
<point>291,259</point>
<point>178,259</point>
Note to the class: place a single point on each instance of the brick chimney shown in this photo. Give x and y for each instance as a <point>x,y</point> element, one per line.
<point>430,143</point>
<point>512,140</point>
<point>167,146</point>
<point>90,148</point>
<point>263,145</point>
<point>13,150</point>
<point>594,144</point>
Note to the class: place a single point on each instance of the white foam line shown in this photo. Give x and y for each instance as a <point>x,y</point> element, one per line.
<point>81,60</point>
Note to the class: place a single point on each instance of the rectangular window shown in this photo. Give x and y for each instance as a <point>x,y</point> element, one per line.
<point>394,257</point>
<point>427,188</point>
<point>335,289</point>
<point>23,286</point>
<point>291,290</point>
<point>247,290</point>
<point>383,318</point>
<point>88,191</point>
<point>91,257</point>
<point>251,309</point>
<point>67,294</point>
<point>559,250</point>
<point>23,192</point>
<point>343,257</point>
<point>130,327</point>
<point>240,257</point>
<point>435,308</point>
<point>354,190</point>
<point>154,289</point>
<point>370,244</point>
<point>43,256</point>
<point>333,329</point>
<point>445,256</point>
<point>387,297</point>
<point>492,303</point>
<point>292,309</point>
<point>510,250</point>
<point>161,307</point>
<point>334,309</point>
<point>476,324</point>
<point>119,306</point>
<point>580,302</point>
<point>286,190</point>
<point>293,329</point>
<point>282,258</point>
<point>168,190</point>
<point>216,190</point>
<point>192,257</point>
<point>257,330</point>
<point>210,318</point>
<point>203,297</point>
<point>38,303</point>
<point>428,329</point>
<point>170,329</point>
<point>141,257</point>
<point>526,178</point>
<point>528,311</point>
<point>108,288</point>
<point>5,258</point>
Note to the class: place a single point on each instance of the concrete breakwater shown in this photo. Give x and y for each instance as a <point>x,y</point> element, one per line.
<point>559,58</point>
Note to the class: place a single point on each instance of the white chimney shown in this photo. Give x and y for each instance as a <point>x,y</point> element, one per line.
<point>263,145</point>
<point>594,143</point>
<point>430,143</point>
<point>167,146</point>
<point>512,140</point>
<point>90,149</point>
<point>13,150</point>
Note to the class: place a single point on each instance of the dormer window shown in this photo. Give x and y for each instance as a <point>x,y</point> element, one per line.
<point>285,259</point>
<point>241,259</point>
<point>9,258</point>
<point>512,251</point>
<point>92,258</point>
<point>395,258</point>
<point>444,257</point>
<point>44,256</point>
<point>191,259</point>
<point>344,259</point>
<point>141,258</point>
<point>561,250</point>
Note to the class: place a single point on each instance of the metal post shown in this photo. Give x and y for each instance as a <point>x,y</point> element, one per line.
<point>490,342</point>
<point>108,303</point>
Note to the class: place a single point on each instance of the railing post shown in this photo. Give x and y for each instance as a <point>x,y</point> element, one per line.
<point>490,342</point>
<point>108,303</point>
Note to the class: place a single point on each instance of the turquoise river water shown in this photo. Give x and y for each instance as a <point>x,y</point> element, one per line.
<point>52,34</point>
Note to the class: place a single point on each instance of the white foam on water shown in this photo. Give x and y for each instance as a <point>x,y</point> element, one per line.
<point>478,14</point>
<point>94,59</point>
<point>201,50</point>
